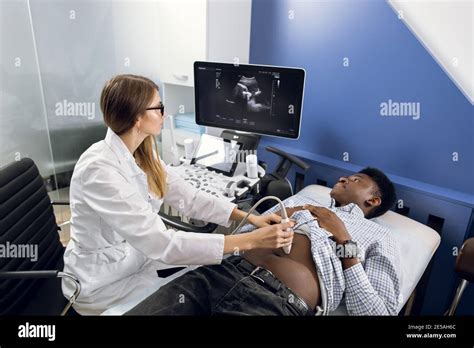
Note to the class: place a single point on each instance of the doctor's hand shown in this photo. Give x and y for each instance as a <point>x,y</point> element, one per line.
<point>272,236</point>
<point>266,237</point>
<point>264,220</point>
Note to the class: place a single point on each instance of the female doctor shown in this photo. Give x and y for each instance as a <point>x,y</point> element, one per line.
<point>118,240</point>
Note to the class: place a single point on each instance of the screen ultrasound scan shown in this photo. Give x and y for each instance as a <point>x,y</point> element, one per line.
<point>253,98</point>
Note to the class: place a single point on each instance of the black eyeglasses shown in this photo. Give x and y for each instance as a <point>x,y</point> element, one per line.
<point>161,107</point>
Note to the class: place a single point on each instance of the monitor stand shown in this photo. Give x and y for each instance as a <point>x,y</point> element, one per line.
<point>249,141</point>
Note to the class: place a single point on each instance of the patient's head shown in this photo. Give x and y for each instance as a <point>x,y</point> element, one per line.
<point>370,189</point>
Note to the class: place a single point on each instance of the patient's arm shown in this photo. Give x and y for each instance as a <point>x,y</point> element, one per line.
<point>373,289</point>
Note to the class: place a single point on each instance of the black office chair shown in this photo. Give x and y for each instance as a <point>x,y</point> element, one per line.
<point>465,270</point>
<point>30,287</point>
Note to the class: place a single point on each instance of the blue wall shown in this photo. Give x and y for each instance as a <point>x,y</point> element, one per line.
<point>341,113</point>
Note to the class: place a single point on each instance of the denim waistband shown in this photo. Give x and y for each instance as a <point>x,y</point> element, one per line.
<point>270,282</point>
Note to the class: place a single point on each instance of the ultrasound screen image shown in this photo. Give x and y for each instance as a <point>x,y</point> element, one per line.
<point>247,97</point>
<point>256,99</point>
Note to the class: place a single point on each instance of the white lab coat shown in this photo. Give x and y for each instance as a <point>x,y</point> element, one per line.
<point>117,239</point>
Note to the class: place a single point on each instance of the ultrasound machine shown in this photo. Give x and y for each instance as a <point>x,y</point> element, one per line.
<point>247,101</point>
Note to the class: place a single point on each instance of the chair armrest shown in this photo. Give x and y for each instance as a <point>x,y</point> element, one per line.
<point>176,223</point>
<point>28,274</point>
<point>59,202</point>
<point>68,222</point>
<point>286,162</point>
<point>47,274</point>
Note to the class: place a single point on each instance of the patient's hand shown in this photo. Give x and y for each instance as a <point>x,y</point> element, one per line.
<point>328,220</point>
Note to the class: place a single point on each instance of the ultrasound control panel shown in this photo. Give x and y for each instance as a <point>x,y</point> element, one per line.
<point>216,184</point>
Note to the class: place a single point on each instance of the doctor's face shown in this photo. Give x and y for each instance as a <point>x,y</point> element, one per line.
<point>152,120</point>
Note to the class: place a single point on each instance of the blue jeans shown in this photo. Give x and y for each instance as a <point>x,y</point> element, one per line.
<point>235,287</point>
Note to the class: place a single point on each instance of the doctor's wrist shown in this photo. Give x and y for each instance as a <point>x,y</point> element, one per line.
<point>251,219</point>
<point>239,242</point>
<point>238,215</point>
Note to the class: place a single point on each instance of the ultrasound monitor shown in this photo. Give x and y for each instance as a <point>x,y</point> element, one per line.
<point>252,98</point>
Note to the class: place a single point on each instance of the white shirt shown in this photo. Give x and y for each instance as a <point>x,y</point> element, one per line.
<point>118,240</point>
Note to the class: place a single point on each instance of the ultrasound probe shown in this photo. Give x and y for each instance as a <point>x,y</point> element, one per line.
<point>283,213</point>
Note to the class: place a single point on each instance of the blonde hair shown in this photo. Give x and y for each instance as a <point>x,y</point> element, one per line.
<point>123,99</point>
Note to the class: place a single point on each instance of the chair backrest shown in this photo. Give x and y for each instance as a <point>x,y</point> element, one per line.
<point>27,222</point>
<point>465,260</point>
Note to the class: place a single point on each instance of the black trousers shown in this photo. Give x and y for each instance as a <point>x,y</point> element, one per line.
<point>235,287</point>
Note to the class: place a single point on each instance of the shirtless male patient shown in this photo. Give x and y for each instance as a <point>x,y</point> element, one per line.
<point>270,282</point>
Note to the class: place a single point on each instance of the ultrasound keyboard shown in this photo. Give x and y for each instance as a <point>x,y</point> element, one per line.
<point>215,184</point>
